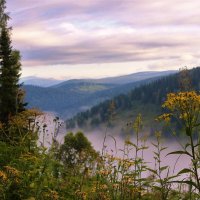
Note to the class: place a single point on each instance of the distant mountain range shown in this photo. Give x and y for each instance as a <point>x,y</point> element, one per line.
<point>36,81</point>
<point>48,82</point>
<point>69,97</point>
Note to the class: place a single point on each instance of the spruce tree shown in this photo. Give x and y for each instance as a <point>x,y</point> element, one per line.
<point>10,93</point>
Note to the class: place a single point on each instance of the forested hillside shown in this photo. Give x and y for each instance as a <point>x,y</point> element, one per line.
<point>146,99</point>
<point>70,97</point>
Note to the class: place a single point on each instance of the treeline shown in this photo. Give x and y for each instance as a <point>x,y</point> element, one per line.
<point>153,93</point>
<point>69,98</point>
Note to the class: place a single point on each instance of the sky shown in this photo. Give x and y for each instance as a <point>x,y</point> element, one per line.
<point>66,39</point>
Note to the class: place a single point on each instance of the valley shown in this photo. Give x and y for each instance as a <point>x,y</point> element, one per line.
<point>70,97</point>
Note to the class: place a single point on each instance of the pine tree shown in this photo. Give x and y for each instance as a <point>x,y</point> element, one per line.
<point>10,93</point>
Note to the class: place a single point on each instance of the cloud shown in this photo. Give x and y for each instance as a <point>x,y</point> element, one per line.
<point>81,32</point>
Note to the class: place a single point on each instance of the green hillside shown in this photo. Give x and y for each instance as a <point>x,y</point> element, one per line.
<point>122,109</point>
<point>70,97</point>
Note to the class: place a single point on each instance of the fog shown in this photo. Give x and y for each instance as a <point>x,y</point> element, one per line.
<point>117,144</point>
<point>114,144</point>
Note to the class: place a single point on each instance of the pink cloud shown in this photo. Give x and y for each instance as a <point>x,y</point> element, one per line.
<point>101,31</point>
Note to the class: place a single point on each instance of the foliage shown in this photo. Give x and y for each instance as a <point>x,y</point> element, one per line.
<point>185,107</point>
<point>76,153</point>
<point>74,170</point>
<point>162,183</point>
<point>150,96</point>
<point>11,96</point>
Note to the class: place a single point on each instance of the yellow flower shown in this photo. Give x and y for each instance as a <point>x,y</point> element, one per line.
<point>12,171</point>
<point>184,106</point>
<point>54,195</point>
<point>104,172</point>
<point>104,187</point>
<point>166,117</point>
<point>115,186</point>
<point>3,176</point>
<point>158,134</point>
<point>81,195</point>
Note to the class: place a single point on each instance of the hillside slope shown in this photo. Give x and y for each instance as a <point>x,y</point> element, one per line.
<point>146,99</point>
<point>120,80</point>
<point>70,97</point>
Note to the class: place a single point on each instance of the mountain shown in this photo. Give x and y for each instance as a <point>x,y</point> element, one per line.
<point>73,96</point>
<point>135,77</point>
<point>64,101</point>
<point>50,82</point>
<point>145,99</point>
<point>42,82</point>
<point>120,80</point>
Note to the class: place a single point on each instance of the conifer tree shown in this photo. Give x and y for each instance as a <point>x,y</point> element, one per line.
<point>10,93</point>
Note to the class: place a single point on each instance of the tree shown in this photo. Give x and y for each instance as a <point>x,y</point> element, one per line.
<point>77,153</point>
<point>11,101</point>
<point>184,79</point>
<point>3,16</point>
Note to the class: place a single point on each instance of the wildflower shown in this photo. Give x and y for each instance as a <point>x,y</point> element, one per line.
<point>104,172</point>
<point>158,134</point>
<point>3,176</point>
<point>12,171</point>
<point>104,187</point>
<point>54,195</point>
<point>166,117</point>
<point>185,106</point>
<point>81,195</point>
<point>115,185</point>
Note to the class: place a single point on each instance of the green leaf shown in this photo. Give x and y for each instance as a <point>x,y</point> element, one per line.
<point>153,171</point>
<point>143,148</point>
<point>155,145</point>
<point>171,177</point>
<point>187,145</point>
<point>157,187</point>
<point>163,168</point>
<point>163,148</point>
<point>179,153</point>
<point>134,145</point>
<point>185,170</point>
<point>156,154</point>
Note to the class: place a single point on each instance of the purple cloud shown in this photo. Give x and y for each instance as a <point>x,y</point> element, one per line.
<point>101,31</point>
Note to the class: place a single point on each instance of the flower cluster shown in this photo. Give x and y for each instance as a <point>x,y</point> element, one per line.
<point>3,176</point>
<point>182,101</point>
<point>12,171</point>
<point>81,195</point>
<point>184,106</point>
